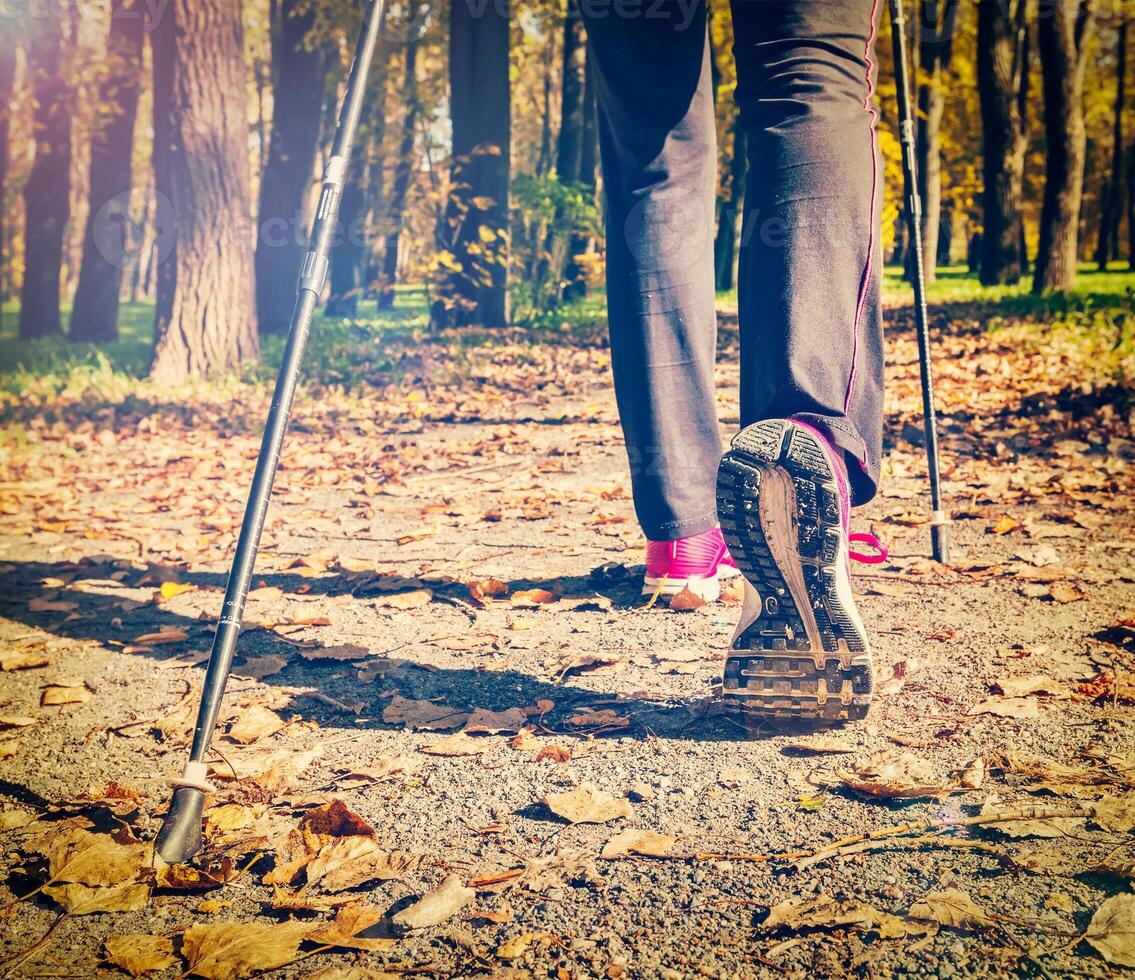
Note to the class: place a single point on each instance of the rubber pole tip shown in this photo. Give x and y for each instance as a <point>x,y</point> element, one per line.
<point>940,543</point>
<point>180,837</point>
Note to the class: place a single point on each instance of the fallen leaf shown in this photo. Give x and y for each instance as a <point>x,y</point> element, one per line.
<point>587,804</point>
<point>824,912</point>
<point>507,722</point>
<point>422,714</point>
<point>56,695</point>
<point>1020,708</point>
<point>973,775</point>
<point>1112,930</point>
<point>1115,814</point>
<point>405,600</point>
<point>229,950</point>
<point>1063,592</point>
<point>78,856</point>
<point>139,953</point>
<point>162,636</point>
<point>457,744</point>
<point>170,590</point>
<point>553,753</point>
<point>892,776</point>
<point>687,601</point>
<point>255,723</point>
<point>353,861</point>
<point>489,588</point>
<point>260,667</point>
<point>129,896</point>
<point>15,721</point>
<point>21,660</point>
<point>445,901</point>
<point>821,745</point>
<point>383,768</point>
<point>532,598</point>
<point>518,946</point>
<point>1019,687</point>
<point>347,929</point>
<point>951,907</point>
<point>642,842</point>
<point>604,718</point>
<point>345,651</point>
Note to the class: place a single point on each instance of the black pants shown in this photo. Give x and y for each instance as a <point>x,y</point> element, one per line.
<point>810,259</point>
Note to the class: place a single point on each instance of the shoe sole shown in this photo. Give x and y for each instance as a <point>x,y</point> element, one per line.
<point>801,652</point>
<point>705,588</point>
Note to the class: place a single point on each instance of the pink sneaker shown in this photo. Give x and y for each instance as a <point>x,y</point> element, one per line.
<point>801,649</point>
<point>697,563</point>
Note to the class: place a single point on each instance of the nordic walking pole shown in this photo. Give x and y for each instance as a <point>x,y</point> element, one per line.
<point>180,836</point>
<point>939,524</point>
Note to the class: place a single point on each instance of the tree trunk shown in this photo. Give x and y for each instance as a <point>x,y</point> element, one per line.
<point>729,221</point>
<point>1111,208</point>
<point>109,240</point>
<point>7,81</point>
<point>47,191</point>
<point>936,34</point>
<point>575,274</point>
<point>1131,207</point>
<point>474,232</point>
<point>1062,36</point>
<point>1002,74</point>
<point>403,170</point>
<point>569,144</point>
<point>362,197</point>
<point>205,322</point>
<point>298,83</point>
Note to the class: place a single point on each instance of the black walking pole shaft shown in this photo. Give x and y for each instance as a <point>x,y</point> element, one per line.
<point>180,836</point>
<point>939,530</point>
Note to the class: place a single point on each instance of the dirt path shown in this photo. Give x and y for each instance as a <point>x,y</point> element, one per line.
<point>1007,680</point>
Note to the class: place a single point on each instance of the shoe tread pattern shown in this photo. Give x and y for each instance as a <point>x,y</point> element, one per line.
<point>772,672</point>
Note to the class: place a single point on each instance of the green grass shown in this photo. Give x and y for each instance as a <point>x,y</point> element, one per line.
<point>369,347</point>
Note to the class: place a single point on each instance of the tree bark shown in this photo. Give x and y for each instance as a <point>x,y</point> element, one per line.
<point>362,199</point>
<point>729,220</point>
<point>402,172</point>
<point>299,77</point>
<point>575,275</point>
<point>1063,33</point>
<point>939,20</point>
<point>569,143</point>
<point>47,191</point>
<point>1002,79</point>
<point>1107,247</point>
<point>205,323</point>
<point>474,232</point>
<point>7,81</point>
<point>109,239</point>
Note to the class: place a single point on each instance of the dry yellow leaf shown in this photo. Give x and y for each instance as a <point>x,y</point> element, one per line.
<point>139,953</point>
<point>951,907</point>
<point>645,843</point>
<point>1112,930</point>
<point>445,901</point>
<point>230,950</point>
<point>587,804</point>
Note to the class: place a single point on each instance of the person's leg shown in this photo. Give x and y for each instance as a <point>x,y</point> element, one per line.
<point>658,147</point>
<point>811,260</point>
<point>811,357</point>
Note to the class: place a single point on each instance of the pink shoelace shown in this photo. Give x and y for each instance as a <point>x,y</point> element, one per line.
<point>881,553</point>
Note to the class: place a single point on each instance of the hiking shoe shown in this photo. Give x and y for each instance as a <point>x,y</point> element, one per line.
<point>800,650</point>
<point>696,563</point>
